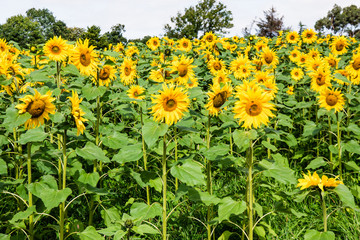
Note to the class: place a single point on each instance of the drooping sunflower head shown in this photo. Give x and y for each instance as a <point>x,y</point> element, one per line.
<point>170,104</point>
<point>77,112</point>
<point>104,75</point>
<point>84,57</point>
<point>308,36</point>
<point>269,57</point>
<point>217,98</point>
<point>56,49</point>
<point>253,108</point>
<point>153,43</point>
<point>339,45</point>
<point>331,99</point>
<point>38,106</point>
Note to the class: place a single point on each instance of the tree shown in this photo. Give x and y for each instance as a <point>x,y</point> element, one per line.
<point>271,25</point>
<point>21,30</point>
<point>95,38</point>
<point>206,16</point>
<point>75,33</point>
<point>45,18</point>
<point>116,34</point>
<point>341,20</point>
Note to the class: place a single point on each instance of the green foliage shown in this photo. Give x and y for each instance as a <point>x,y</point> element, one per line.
<point>271,25</point>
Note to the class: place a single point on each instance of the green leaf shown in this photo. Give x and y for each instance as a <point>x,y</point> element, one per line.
<point>90,234</point>
<point>269,145</point>
<point>260,231</point>
<point>189,173</point>
<point>111,216</point>
<point>115,140</point>
<point>89,178</point>
<point>22,215</point>
<point>145,229</point>
<point>315,235</point>
<point>4,237</point>
<point>342,77</point>
<point>352,146</point>
<point>90,92</point>
<point>352,166</point>
<point>311,129</point>
<point>143,211</point>
<point>92,152</point>
<point>316,163</point>
<point>71,69</point>
<point>39,76</point>
<point>354,128</point>
<point>279,173</point>
<point>3,167</point>
<point>204,197</point>
<point>129,153</point>
<point>152,131</point>
<point>345,196</point>
<point>242,138</point>
<point>216,152</point>
<point>228,207</point>
<point>33,135</point>
<point>290,140</point>
<point>13,119</point>
<point>226,235</point>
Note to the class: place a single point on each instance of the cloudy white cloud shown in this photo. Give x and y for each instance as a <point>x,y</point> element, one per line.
<point>148,17</point>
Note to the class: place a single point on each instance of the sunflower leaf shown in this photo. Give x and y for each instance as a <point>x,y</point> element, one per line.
<point>90,92</point>
<point>346,196</point>
<point>129,153</point>
<point>92,152</point>
<point>13,119</point>
<point>33,135</point>
<point>228,207</point>
<point>152,131</point>
<point>315,235</point>
<point>189,172</point>
<point>90,234</point>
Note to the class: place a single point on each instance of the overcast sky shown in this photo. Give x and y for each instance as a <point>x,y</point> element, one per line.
<point>148,17</point>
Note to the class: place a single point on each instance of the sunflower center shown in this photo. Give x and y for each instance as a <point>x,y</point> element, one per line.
<point>292,37</point>
<point>309,35</point>
<point>2,48</point>
<point>127,70</point>
<point>244,70</point>
<point>296,73</point>
<point>331,100</point>
<point>253,109</point>
<point>170,105</point>
<point>269,58</point>
<point>332,63</point>
<point>182,69</point>
<point>77,113</point>
<point>339,46</point>
<point>320,80</point>
<point>217,66</point>
<point>104,74</point>
<point>85,59</point>
<point>36,108</point>
<point>209,38</point>
<point>356,64</point>
<point>55,49</point>
<point>185,44</point>
<point>219,99</point>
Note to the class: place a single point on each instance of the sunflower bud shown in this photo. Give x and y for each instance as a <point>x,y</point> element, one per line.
<point>129,224</point>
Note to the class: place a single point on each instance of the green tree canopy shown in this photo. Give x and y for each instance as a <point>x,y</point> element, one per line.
<point>206,16</point>
<point>116,34</point>
<point>95,38</point>
<point>341,20</point>
<point>271,25</point>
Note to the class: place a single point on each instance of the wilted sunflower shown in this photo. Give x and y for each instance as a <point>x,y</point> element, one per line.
<point>106,74</point>
<point>38,106</point>
<point>128,71</point>
<point>136,92</point>
<point>77,112</point>
<point>217,98</point>
<point>170,104</point>
<point>308,36</point>
<point>269,57</point>
<point>153,43</point>
<point>84,57</point>
<point>56,49</point>
<point>292,37</point>
<point>331,99</point>
<point>253,108</point>
<point>339,45</point>
<point>315,181</point>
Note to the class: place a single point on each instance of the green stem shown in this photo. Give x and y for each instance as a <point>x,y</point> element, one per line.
<point>31,217</point>
<point>164,175</point>
<point>176,159</point>
<point>144,156</point>
<point>208,180</point>
<point>250,197</point>
<point>330,141</point>
<point>62,205</point>
<point>324,210</point>
<point>339,146</point>
<point>231,142</point>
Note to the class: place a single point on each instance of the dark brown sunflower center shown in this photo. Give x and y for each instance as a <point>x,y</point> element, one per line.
<point>136,94</point>
<point>253,109</point>
<point>320,79</point>
<point>77,113</point>
<point>36,108</point>
<point>170,105</point>
<point>331,100</point>
<point>268,58</point>
<point>2,48</point>
<point>219,99</point>
<point>296,73</point>
<point>182,69</point>
<point>356,64</point>
<point>55,49</point>
<point>292,37</point>
<point>309,35</point>
<point>244,70</point>
<point>339,46</point>
<point>85,59</point>
<point>260,80</point>
<point>217,66</point>
<point>104,74</point>
<point>127,70</point>
<point>185,44</point>
<point>332,62</point>
<point>209,38</point>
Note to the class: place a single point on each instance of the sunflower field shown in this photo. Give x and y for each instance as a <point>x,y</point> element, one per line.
<point>212,138</point>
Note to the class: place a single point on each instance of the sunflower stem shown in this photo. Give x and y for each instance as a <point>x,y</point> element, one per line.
<point>144,156</point>
<point>231,142</point>
<point>322,194</point>
<point>330,142</point>
<point>62,205</point>
<point>164,175</point>
<point>339,146</point>
<point>31,217</point>
<point>208,180</point>
<point>250,197</point>
<point>176,158</point>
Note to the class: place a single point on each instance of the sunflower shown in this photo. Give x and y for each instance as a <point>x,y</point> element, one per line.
<point>313,64</point>
<point>345,74</point>
<point>84,57</point>
<point>309,36</point>
<point>354,66</point>
<point>131,51</point>
<point>269,57</point>
<point>331,99</point>
<point>262,77</point>
<point>221,77</point>
<point>38,106</point>
<point>77,112</point>
<point>339,45</point>
<point>184,44</point>
<point>209,38</point>
<point>320,79</point>
<point>217,98</point>
<point>241,67</point>
<point>170,104</point>
<point>153,43</point>
<point>128,71</point>
<point>183,66</point>
<point>3,45</point>
<point>253,108</point>
<point>105,75</point>
<point>290,90</point>
<point>136,92</point>
<point>119,47</point>
<point>56,49</point>
<point>332,60</point>
<point>292,37</point>
<point>297,74</point>
<point>313,53</point>
<point>315,181</point>
<point>160,75</point>
<point>302,59</point>
<point>216,65</point>
<point>270,87</point>
<point>294,55</point>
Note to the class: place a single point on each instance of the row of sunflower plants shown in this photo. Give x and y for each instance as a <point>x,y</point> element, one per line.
<point>181,139</point>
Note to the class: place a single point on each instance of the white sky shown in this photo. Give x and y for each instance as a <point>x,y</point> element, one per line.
<point>148,17</point>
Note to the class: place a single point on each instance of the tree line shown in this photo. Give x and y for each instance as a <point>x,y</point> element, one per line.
<point>39,25</point>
